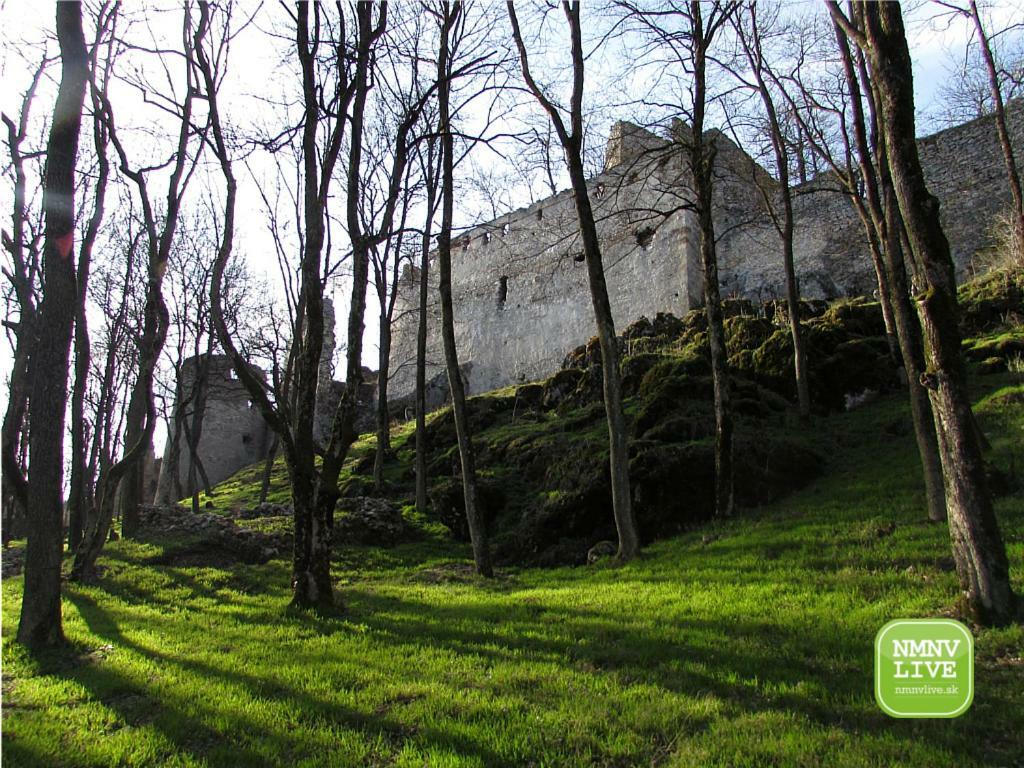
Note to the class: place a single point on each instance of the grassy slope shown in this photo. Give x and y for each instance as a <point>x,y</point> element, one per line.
<point>753,649</point>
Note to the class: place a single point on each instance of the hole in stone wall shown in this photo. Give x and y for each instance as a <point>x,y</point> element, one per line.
<point>600,191</point>
<point>645,238</point>
<point>246,439</point>
<point>502,291</point>
<point>487,237</point>
<point>540,214</point>
<point>505,229</point>
<point>580,257</point>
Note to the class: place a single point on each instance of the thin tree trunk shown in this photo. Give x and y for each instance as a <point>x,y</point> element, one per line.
<point>421,335</point>
<point>383,415</point>
<point>129,493</point>
<point>702,160</point>
<point>477,528</point>
<point>572,144</point>
<point>977,543</point>
<point>268,470</point>
<point>40,622</point>
<point>881,219</point>
<point>755,57</point>
<point>170,490</point>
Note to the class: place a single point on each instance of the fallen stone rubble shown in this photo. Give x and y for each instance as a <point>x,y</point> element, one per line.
<point>247,545</point>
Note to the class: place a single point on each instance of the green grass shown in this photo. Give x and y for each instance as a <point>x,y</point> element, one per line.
<point>752,649</point>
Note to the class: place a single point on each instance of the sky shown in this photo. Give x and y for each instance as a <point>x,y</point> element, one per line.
<point>259,82</point>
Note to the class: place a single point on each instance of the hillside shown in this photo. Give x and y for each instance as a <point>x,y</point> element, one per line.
<point>542,447</point>
<point>747,642</point>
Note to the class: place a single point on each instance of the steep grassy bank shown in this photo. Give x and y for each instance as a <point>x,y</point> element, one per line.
<point>748,643</point>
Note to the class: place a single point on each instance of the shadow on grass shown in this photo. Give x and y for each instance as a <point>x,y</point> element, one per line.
<point>308,706</point>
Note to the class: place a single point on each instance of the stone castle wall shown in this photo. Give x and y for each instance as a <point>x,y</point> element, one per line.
<point>234,434</point>
<point>964,169</point>
<point>520,286</point>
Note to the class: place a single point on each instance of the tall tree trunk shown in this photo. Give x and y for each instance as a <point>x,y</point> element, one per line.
<point>171,489</point>
<point>978,548</point>
<point>40,622</point>
<point>879,213</point>
<point>421,334</point>
<point>194,431</point>
<point>572,144</point>
<point>383,415</point>
<point>912,351</point>
<point>702,160</point>
<point>477,527</point>
<point>80,491</point>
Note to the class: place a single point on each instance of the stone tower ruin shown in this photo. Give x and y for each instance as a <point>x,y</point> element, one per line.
<point>233,434</point>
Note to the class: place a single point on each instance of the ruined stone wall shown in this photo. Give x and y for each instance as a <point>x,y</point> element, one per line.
<point>234,434</point>
<point>520,287</point>
<point>964,169</point>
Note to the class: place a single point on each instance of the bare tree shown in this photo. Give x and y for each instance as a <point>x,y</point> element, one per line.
<point>749,31</point>
<point>686,32</point>
<point>842,131</point>
<point>40,622</point>
<point>450,18</point>
<point>124,481</point>
<point>428,155</point>
<point>291,414</point>
<point>22,247</point>
<point>80,489</point>
<point>998,104</point>
<point>978,548</point>
<point>571,139</point>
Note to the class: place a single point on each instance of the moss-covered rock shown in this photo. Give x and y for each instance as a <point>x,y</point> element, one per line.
<point>992,301</point>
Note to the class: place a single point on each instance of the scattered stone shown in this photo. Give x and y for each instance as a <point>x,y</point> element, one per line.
<point>266,509</point>
<point>370,521</point>
<point>600,551</point>
<point>217,533</point>
<point>12,561</point>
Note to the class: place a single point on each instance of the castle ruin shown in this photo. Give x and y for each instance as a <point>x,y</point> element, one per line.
<point>234,434</point>
<point>520,286</point>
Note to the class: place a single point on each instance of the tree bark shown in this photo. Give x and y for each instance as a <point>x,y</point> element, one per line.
<point>880,215</point>
<point>977,543</point>
<point>383,414</point>
<point>477,527</point>
<point>40,622</point>
<point>421,335</point>
<point>702,159</point>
